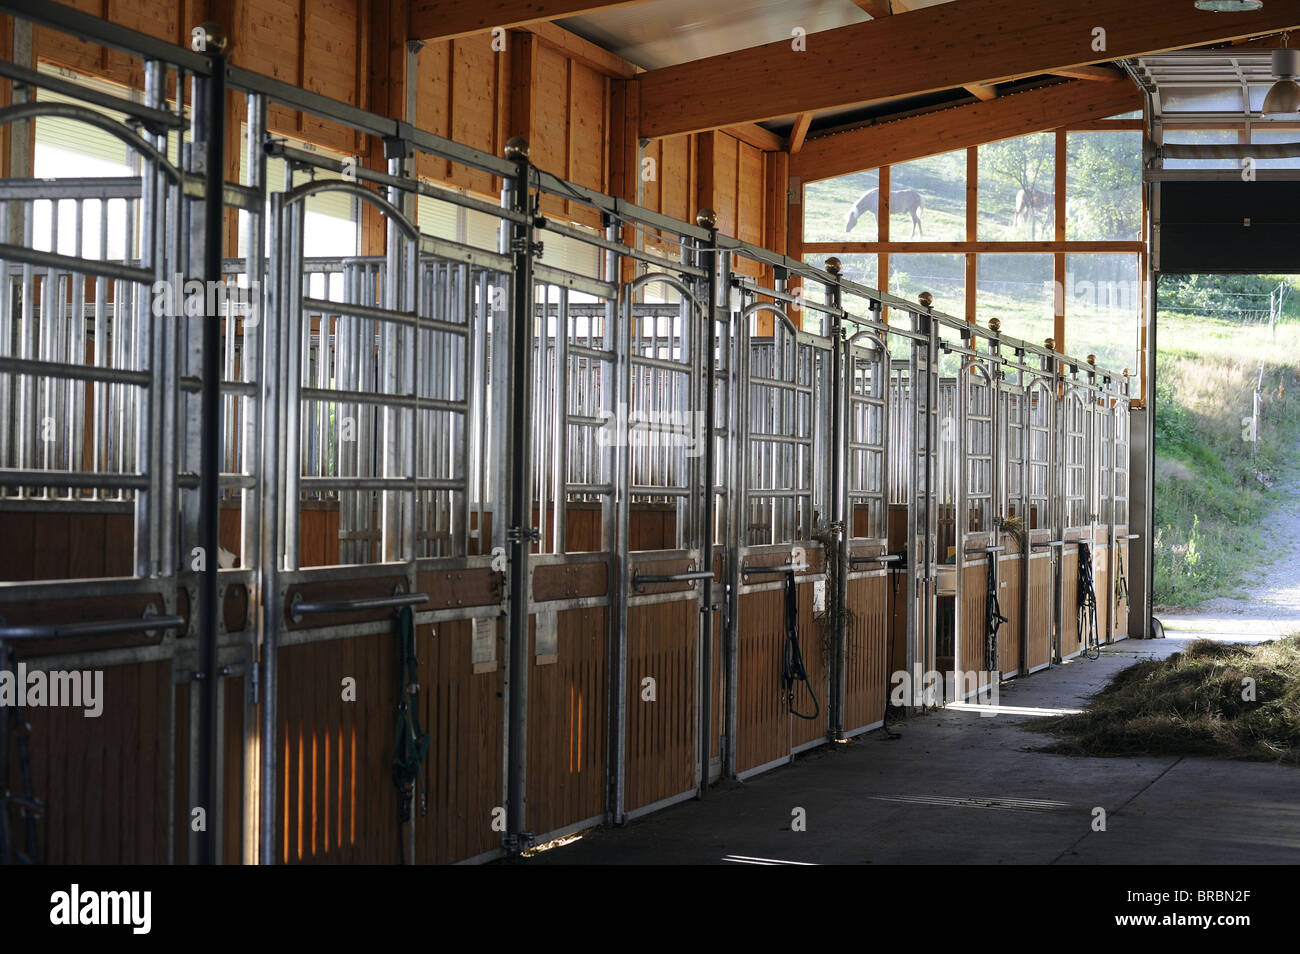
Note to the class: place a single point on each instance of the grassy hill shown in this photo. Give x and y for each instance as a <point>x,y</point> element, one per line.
<point>1213,497</point>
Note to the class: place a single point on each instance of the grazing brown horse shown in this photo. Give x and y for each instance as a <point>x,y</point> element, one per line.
<point>1032,201</point>
<point>904,200</point>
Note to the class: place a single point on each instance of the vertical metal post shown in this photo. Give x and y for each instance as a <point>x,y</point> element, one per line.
<point>841,514</point>
<point>210,137</point>
<point>707,257</point>
<point>520,531</point>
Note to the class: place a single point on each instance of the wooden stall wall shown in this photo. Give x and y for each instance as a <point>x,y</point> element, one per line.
<point>1010,588</point>
<point>1070,642</point>
<point>1039,624</point>
<point>867,668</point>
<point>973,629</point>
<point>567,719</point>
<point>661,734</point>
<point>765,729</point>
<point>103,781</point>
<point>1117,601</point>
<point>1100,580</point>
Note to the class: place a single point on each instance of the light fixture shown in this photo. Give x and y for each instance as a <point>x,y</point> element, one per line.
<point>1283,96</point>
<point>1229,6</point>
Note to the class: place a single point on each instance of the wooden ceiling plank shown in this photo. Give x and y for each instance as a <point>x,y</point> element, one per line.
<point>448,19</point>
<point>929,50</point>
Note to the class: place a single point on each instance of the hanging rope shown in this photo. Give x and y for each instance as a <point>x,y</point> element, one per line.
<point>1087,605</point>
<point>793,670</point>
<point>993,618</point>
<point>411,743</point>
<point>28,805</point>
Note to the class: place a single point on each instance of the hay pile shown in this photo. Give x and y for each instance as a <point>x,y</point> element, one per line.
<point>1192,704</point>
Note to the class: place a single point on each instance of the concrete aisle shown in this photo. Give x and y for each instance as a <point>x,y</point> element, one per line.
<point>960,788</point>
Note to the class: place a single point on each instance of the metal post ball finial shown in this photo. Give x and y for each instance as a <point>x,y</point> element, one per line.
<point>833,266</point>
<point>706,219</point>
<point>926,299</point>
<point>995,326</point>
<point>517,148</point>
<point>1050,344</point>
<point>1092,360</point>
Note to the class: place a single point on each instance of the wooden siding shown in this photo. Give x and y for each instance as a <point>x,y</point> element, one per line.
<point>867,668</point>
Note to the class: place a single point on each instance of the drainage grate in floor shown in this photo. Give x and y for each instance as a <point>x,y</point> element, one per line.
<point>972,801</point>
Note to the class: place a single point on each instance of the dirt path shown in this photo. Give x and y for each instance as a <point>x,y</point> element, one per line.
<point>1272,605</point>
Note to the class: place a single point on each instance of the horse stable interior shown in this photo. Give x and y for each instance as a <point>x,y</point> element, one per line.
<point>451,426</point>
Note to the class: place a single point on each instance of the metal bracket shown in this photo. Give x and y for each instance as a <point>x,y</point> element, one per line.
<point>520,535</point>
<point>515,844</point>
<point>519,245</point>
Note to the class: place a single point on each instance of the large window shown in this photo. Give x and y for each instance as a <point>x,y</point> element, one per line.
<point>927,199</point>
<point>1103,186</point>
<point>1052,247</point>
<point>1017,189</point>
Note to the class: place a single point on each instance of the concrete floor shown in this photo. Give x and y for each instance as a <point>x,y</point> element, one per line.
<point>961,788</point>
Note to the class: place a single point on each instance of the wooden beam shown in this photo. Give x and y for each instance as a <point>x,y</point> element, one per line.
<point>936,48</point>
<point>584,51</point>
<point>1104,73</point>
<point>973,124</point>
<point>799,133</point>
<point>877,8</point>
<point>448,19</point>
<point>961,248</point>
<point>757,136</point>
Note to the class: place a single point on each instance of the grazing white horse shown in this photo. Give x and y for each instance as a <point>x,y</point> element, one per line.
<point>1031,201</point>
<point>904,200</point>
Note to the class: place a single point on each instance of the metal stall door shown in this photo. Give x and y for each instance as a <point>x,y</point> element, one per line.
<point>574,432</point>
<point>351,390</point>
<point>1077,474</point>
<point>89,591</point>
<point>1012,420</point>
<point>782,684</point>
<point>975,535</point>
<point>873,577</point>
<point>665,439</point>
<point>1041,603</point>
<point>1119,519</point>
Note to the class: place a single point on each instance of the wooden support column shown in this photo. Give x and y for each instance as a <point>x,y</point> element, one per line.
<point>624,172</point>
<point>1059,257</point>
<point>385,54</point>
<point>794,224</point>
<point>882,220</point>
<point>972,228</point>
<point>776,175</point>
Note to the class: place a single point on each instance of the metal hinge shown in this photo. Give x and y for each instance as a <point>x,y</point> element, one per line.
<point>519,534</point>
<point>519,245</point>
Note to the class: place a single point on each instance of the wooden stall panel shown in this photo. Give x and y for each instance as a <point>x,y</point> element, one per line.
<point>462,712</point>
<point>336,797</point>
<point>867,668</point>
<point>765,728</point>
<point>661,732</point>
<point>567,711</point>
<point>1100,579</point>
<point>814,643</point>
<point>66,544</point>
<point>1009,589</point>
<point>762,723</point>
<point>1039,629</point>
<point>1117,600</point>
<point>1070,642</point>
<point>103,780</point>
<point>974,628</point>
